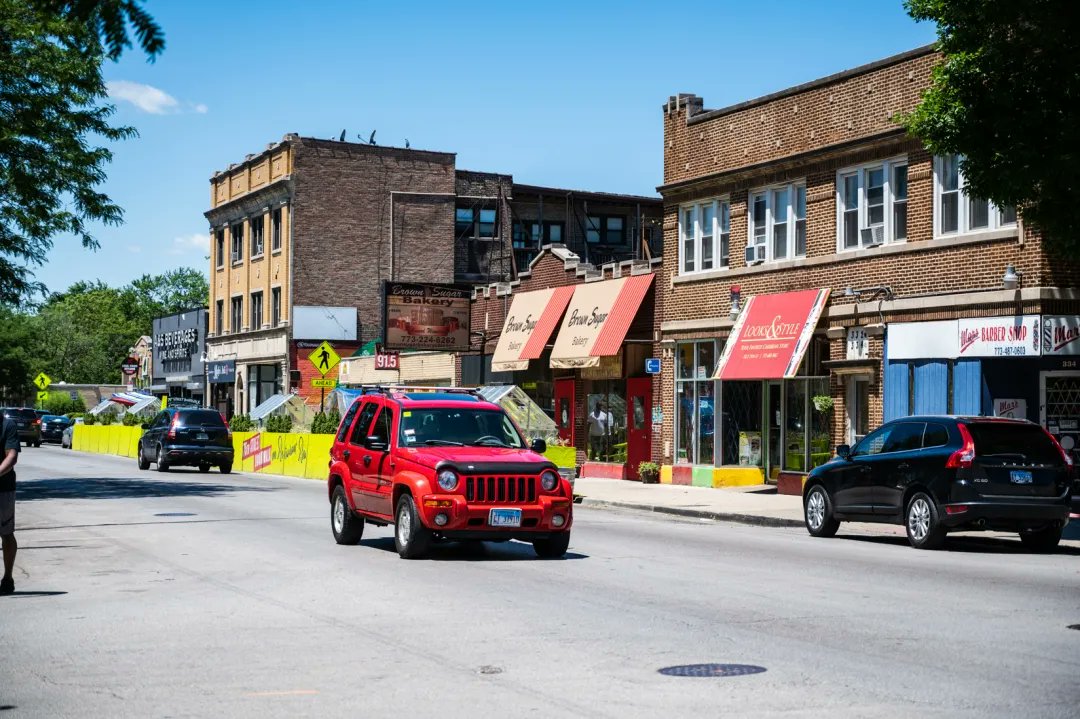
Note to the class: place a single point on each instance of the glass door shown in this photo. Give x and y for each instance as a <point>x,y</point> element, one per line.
<point>773,422</point>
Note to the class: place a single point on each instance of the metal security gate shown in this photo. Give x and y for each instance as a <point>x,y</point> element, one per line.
<point>1060,408</point>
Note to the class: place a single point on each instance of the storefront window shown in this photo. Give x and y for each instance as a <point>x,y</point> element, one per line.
<point>741,425</point>
<point>795,426</point>
<point>606,420</point>
<point>695,405</point>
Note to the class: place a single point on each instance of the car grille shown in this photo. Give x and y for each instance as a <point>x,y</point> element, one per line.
<point>492,490</point>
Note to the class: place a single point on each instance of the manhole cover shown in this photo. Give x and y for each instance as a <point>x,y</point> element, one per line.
<point>175,514</point>
<point>711,670</point>
<point>489,669</point>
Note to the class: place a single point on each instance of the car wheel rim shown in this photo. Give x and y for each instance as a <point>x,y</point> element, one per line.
<point>919,519</point>
<point>339,515</point>
<point>404,527</point>
<point>815,509</point>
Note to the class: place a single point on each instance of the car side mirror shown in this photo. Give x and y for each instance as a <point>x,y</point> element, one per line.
<point>843,451</point>
<point>538,445</point>
<point>376,444</point>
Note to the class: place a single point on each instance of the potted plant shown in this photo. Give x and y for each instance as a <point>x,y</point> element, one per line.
<point>822,403</point>
<point>649,472</point>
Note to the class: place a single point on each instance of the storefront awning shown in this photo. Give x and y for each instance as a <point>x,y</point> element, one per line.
<point>771,335</point>
<point>596,320</point>
<point>529,323</point>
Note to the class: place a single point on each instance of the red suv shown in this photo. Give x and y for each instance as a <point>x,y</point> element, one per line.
<point>443,464</point>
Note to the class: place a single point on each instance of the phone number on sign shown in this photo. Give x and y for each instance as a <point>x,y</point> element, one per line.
<point>427,340</point>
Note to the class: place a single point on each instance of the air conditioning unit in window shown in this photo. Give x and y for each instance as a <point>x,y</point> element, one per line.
<point>755,254</point>
<point>873,236</point>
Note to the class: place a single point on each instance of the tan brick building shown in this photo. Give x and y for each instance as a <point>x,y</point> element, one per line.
<point>817,188</point>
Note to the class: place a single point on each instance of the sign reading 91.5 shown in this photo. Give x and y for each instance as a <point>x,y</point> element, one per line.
<point>425,317</point>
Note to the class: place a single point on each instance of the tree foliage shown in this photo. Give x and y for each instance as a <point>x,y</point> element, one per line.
<point>1007,98</point>
<point>109,19</point>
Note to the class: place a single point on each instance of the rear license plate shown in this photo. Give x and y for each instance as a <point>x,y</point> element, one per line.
<point>1020,476</point>
<point>202,436</point>
<point>504,518</point>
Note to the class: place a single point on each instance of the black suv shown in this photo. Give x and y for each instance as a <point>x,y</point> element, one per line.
<point>941,474</point>
<point>187,438</point>
<point>27,422</point>
<point>53,426</point>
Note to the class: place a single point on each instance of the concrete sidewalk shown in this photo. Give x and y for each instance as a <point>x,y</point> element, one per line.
<point>759,505</point>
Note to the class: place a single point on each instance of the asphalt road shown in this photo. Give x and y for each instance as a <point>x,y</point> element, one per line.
<point>175,595</point>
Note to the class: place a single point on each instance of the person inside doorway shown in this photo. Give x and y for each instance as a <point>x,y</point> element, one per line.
<point>599,432</point>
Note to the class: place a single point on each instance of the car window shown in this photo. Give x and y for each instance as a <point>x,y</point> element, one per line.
<point>201,417</point>
<point>1012,441</point>
<point>384,425</point>
<point>20,413</point>
<point>905,437</point>
<point>343,431</point>
<point>936,435</point>
<point>363,423</point>
<point>451,425</point>
<point>161,420</point>
<point>874,442</point>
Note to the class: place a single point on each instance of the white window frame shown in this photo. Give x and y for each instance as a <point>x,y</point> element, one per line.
<point>995,214</point>
<point>770,214</point>
<point>861,172</point>
<point>717,205</point>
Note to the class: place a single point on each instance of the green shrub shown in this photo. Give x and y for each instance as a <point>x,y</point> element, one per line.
<point>89,419</point>
<point>279,423</point>
<point>107,418</point>
<point>326,422</point>
<point>649,472</point>
<point>241,423</point>
<point>129,420</point>
<point>61,403</point>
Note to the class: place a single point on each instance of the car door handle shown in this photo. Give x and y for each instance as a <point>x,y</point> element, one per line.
<point>346,454</point>
<point>367,459</point>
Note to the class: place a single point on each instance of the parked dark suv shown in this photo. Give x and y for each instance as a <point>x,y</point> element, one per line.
<point>941,474</point>
<point>53,426</point>
<point>187,438</point>
<point>27,422</point>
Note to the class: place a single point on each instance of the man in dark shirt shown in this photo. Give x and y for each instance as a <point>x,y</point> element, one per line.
<point>9,441</point>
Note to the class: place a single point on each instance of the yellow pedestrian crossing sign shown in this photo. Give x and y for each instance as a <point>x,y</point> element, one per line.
<point>42,381</point>
<point>42,397</point>
<point>324,358</point>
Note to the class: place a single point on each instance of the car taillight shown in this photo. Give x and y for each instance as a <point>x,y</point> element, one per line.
<point>963,457</point>
<point>1064,455</point>
<point>172,427</point>
<point>37,421</point>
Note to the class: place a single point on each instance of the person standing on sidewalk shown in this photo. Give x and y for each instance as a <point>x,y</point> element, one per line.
<point>599,427</point>
<point>9,441</point>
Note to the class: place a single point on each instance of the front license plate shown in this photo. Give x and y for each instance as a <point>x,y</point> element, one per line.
<point>505,518</point>
<point>1020,476</point>
<point>202,436</point>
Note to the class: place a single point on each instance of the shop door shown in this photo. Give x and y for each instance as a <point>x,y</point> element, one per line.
<point>564,409</point>
<point>1060,411</point>
<point>774,404</point>
<point>638,424</point>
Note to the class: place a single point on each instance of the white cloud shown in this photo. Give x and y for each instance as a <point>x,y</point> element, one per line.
<point>190,243</point>
<point>150,99</point>
<point>134,248</point>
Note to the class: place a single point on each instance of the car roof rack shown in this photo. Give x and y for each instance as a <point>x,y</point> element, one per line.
<point>389,389</point>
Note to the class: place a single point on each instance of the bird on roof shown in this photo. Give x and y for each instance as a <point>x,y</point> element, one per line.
<point>342,138</point>
<point>371,140</point>
<point>406,143</point>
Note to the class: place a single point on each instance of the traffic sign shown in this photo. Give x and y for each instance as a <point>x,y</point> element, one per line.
<point>42,381</point>
<point>129,366</point>
<point>324,358</point>
<point>42,397</point>
<point>652,365</point>
<point>324,383</point>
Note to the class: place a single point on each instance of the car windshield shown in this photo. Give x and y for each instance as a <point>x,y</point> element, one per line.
<point>53,418</point>
<point>195,418</point>
<point>1007,440</point>
<point>457,427</point>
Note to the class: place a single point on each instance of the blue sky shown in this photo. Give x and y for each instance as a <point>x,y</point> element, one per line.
<point>558,93</point>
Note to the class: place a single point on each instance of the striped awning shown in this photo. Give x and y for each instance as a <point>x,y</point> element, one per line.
<point>532,318</point>
<point>597,319</point>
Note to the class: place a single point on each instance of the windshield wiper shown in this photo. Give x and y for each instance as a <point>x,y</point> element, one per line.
<point>489,443</point>
<point>443,442</point>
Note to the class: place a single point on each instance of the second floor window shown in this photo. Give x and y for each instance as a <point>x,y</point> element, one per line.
<point>475,222</point>
<point>872,202</point>
<point>219,248</point>
<point>256,310</point>
<point>548,233</point>
<point>605,230</point>
<point>236,317</point>
<point>236,232</point>
<point>957,213</point>
<point>219,316</point>
<point>275,307</point>
<point>777,223</point>
<point>705,232</point>
<point>256,235</point>
<point>275,230</point>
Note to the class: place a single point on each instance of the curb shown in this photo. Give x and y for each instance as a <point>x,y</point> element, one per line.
<point>752,519</point>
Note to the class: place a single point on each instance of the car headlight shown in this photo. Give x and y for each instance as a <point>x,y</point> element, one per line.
<point>549,480</point>
<point>448,480</point>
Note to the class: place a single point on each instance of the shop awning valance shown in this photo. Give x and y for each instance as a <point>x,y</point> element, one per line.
<point>532,318</point>
<point>597,319</point>
<point>771,335</point>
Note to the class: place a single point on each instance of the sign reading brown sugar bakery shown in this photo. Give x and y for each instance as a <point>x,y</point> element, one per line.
<point>425,317</point>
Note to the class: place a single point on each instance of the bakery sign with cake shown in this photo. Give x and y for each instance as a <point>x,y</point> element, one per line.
<point>425,317</point>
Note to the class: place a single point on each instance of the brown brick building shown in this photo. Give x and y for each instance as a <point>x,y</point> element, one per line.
<point>937,302</point>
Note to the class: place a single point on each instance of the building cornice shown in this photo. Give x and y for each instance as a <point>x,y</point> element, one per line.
<point>251,203</point>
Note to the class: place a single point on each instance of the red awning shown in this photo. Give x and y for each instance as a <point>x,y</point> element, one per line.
<point>597,319</point>
<point>528,325</point>
<point>771,335</point>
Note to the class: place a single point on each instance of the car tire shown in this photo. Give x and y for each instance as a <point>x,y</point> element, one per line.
<point>162,465</point>
<point>553,547</point>
<point>1041,540</point>
<point>144,463</point>
<point>226,468</point>
<point>346,526</point>
<point>204,468</point>
<point>924,531</point>
<point>818,513</point>
<point>411,538</point>
<point>37,444</point>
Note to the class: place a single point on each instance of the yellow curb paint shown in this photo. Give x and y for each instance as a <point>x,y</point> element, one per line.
<point>665,474</point>
<point>737,477</point>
